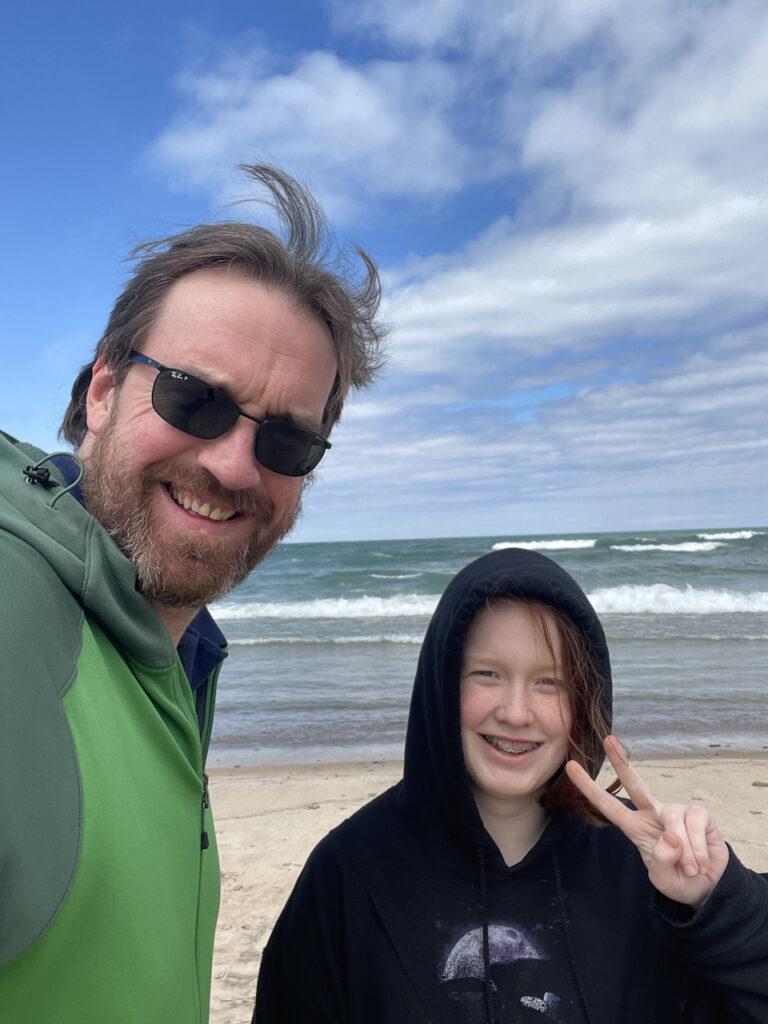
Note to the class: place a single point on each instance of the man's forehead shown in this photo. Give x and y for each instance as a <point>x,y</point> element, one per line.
<point>221,287</point>
<point>238,333</point>
<point>228,299</point>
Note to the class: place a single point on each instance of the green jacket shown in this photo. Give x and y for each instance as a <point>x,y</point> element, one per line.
<point>108,896</point>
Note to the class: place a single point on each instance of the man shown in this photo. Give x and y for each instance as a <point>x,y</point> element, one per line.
<point>222,370</point>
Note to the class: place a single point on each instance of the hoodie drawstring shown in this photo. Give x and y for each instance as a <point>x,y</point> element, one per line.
<point>490,1002</point>
<point>578,984</point>
<point>38,474</point>
<point>488,986</point>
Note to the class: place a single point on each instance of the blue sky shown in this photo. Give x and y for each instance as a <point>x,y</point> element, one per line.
<point>568,200</point>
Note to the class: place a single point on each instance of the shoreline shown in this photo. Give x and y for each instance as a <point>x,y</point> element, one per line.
<point>218,764</point>
<point>269,817</point>
<point>219,771</point>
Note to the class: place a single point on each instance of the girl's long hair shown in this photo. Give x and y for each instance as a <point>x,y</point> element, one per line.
<point>583,686</point>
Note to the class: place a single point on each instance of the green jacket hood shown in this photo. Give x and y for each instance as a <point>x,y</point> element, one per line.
<point>80,551</point>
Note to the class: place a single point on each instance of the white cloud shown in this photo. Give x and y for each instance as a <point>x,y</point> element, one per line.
<point>578,348</point>
<point>374,130</point>
<point>578,286</point>
<point>685,444</point>
<point>548,27</point>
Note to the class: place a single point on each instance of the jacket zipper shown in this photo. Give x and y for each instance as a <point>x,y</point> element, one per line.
<point>205,841</point>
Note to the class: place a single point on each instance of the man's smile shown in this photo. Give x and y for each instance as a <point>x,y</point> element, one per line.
<point>200,506</point>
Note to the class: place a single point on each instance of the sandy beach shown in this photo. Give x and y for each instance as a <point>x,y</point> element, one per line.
<point>268,819</point>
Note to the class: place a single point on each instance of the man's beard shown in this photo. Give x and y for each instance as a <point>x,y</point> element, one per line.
<point>176,571</point>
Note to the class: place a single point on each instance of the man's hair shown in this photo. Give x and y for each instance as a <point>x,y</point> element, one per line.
<point>306,265</point>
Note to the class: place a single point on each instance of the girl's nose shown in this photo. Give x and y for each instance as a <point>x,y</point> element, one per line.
<point>515,707</point>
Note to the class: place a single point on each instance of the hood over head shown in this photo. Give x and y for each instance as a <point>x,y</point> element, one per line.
<point>436,781</point>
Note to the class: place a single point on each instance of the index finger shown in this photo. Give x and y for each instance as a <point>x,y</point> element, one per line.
<point>613,810</point>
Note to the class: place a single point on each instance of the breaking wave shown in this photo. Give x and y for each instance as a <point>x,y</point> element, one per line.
<point>328,608</point>
<point>383,638</point>
<point>394,576</point>
<point>655,599</point>
<point>688,546</point>
<point>733,535</point>
<point>545,545</point>
<point>662,599</point>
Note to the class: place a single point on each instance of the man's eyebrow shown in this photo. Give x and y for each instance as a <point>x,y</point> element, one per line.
<point>209,377</point>
<point>309,422</point>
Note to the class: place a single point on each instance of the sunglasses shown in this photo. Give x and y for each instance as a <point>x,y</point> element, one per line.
<point>202,410</point>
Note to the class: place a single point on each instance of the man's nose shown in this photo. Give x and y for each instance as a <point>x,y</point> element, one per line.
<point>230,458</point>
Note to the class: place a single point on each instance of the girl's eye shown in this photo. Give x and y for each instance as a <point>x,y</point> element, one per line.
<point>481,675</point>
<point>548,682</point>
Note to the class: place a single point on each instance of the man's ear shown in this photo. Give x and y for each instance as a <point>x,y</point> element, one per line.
<point>101,394</point>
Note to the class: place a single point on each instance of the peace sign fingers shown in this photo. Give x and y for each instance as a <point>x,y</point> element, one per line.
<point>679,843</point>
<point>642,826</point>
<point>652,818</point>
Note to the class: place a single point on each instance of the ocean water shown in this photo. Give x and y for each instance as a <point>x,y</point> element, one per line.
<point>324,640</point>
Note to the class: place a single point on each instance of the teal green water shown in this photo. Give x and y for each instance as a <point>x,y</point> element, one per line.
<point>324,640</point>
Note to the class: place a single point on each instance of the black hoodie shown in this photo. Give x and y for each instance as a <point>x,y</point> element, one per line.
<point>407,912</point>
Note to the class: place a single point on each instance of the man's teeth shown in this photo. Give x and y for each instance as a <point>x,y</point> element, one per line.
<point>510,748</point>
<point>191,504</point>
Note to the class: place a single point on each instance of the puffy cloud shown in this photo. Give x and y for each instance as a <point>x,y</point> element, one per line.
<point>590,335</point>
<point>376,130</point>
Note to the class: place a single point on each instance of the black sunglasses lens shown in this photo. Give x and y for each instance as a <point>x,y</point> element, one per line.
<point>191,405</point>
<point>199,409</point>
<point>287,449</point>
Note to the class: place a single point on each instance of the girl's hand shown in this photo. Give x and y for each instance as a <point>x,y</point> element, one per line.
<point>680,844</point>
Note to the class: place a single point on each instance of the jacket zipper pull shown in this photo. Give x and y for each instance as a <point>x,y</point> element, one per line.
<point>204,840</point>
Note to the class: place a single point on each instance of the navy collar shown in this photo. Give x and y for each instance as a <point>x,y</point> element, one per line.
<point>70,470</point>
<point>201,648</point>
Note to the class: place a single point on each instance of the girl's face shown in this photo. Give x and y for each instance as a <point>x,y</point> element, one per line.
<point>515,712</point>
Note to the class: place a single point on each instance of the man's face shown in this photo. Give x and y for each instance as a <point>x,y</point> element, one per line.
<point>144,477</point>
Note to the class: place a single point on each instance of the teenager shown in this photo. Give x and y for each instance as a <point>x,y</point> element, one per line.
<point>497,881</point>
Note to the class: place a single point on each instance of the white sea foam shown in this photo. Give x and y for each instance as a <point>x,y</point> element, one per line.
<point>735,535</point>
<point>656,598</point>
<point>328,608</point>
<point>689,546</point>
<point>544,545</point>
<point>661,599</point>
<point>393,576</point>
<point>382,638</point>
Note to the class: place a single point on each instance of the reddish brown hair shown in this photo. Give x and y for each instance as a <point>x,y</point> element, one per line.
<point>583,685</point>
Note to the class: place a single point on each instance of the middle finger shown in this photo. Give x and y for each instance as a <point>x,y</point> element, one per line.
<point>639,793</point>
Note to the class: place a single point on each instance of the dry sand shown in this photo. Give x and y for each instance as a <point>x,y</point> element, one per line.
<point>268,819</point>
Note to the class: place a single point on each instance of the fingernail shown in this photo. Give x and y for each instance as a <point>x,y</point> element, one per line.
<point>691,870</point>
